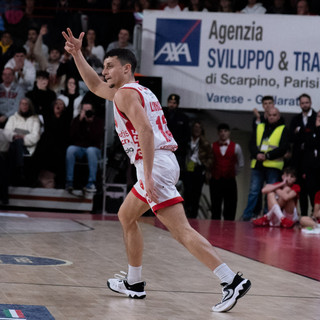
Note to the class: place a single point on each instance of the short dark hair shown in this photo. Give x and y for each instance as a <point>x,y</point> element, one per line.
<point>196,121</point>
<point>304,95</point>
<point>267,98</point>
<point>42,74</point>
<point>34,28</point>
<point>223,126</point>
<point>124,56</point>
<point>20,49</point>
<point>290,170</point>
<point>174,96</point>
<point>54,48</point>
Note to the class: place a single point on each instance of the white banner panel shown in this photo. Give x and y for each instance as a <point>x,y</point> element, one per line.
<point>229,61</point>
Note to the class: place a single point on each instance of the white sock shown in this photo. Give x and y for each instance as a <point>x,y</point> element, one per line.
<point>134,274</point>
<point>269,213</point>
<point>278,212</point>
<point>224,273</point>
<point>272,211</point>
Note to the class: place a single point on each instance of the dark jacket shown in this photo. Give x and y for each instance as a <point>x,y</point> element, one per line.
<point>298,139</point>
<point>178,124</point>
<point>87,134</point>
<point>42,100</point>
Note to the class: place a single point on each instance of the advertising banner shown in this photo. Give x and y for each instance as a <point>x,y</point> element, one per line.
<point>230,61</point>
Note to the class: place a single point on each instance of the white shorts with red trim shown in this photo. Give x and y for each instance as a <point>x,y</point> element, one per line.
<point>165,173</point>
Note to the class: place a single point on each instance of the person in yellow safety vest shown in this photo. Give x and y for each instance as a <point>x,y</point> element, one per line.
<point>268,145</point>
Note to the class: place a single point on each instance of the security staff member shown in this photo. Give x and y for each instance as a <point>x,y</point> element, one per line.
<point>268,145</point>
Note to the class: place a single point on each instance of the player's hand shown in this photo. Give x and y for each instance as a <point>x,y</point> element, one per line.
<point>72,45</point>
<point>150,189</point>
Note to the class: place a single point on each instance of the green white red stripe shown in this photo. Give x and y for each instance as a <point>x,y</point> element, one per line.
<point>13,314</point>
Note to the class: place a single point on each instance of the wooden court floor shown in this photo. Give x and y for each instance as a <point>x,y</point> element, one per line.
<point>283,266</point>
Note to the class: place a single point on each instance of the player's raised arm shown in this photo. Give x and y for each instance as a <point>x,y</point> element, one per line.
<point>95,84</point>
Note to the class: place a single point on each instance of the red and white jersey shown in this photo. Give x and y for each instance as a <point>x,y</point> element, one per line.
<point>163,139</point>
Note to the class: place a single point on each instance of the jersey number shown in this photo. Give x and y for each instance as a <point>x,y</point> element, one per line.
<point>162,123</point>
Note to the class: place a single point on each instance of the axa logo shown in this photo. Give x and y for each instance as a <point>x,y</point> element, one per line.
<point>173,52</point>
<point>177,42</point>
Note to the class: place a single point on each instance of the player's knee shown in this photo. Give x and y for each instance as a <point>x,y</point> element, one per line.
<point>182,234</point>
<point>125,218</point>
<point>270,195</point>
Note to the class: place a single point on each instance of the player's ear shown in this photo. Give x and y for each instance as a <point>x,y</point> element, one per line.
<point>127,68</point>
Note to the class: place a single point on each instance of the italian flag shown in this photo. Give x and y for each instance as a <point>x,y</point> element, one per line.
<point>15,314</point>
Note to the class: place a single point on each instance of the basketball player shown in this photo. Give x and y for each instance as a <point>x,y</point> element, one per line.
<point>142,129</point>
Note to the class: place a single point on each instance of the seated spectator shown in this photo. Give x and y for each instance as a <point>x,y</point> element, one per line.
<point>72,97</point>
<point>99,104</point>
<point>303,8</point>
<point>41,96</point>
<point>86,138</point>
<point>226,6</point>
<point>50,153</point>
<point>255,7</point>
<point>52,66</point>
<point>91,13</point>
<point>92,52</point>
<point>24,133</point>
<point>64,17</point>
<point>172,6</point>
<point>279,7</point>
<point>15,21</point>
<point>212,6</point>
<point>118,17</point>
<point>36,13</point>
<point>282,200</point>
<point>34,48</point>
<point>67,69</point>
<point>314,221</point>
<point>195,5</point>
<point>123,41</point>
<point>48,61</point>
<point>25,72</point>
<point>10,95</point>
<point>7,48</point>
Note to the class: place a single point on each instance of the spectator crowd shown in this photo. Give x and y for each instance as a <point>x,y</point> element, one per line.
<point>49,119</point>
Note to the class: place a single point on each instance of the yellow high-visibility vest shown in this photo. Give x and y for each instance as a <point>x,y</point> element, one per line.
<point>269,144</point>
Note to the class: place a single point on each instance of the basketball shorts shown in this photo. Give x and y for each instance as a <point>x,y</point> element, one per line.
<point>165,173</point>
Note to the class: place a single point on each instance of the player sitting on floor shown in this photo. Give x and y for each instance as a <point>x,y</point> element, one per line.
<point>313,221</point>
<point>282,200</point>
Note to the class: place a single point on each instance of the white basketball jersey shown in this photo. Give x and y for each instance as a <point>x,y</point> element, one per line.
<point>163,139</point>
